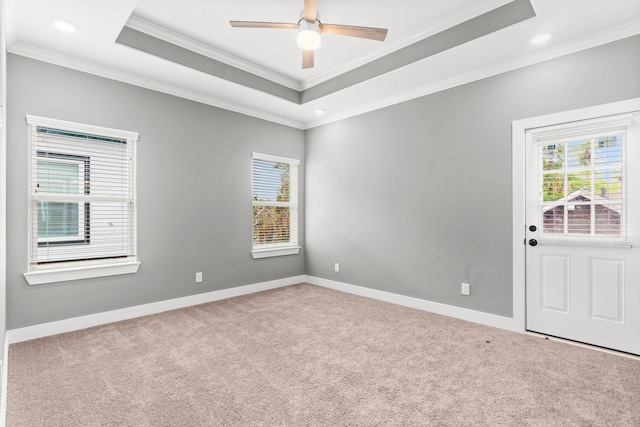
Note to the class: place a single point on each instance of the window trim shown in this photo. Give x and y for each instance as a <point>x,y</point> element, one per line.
<point>280,249</point>
<point>273,252</point>
<point>41,277</point>
<point>79,269</point>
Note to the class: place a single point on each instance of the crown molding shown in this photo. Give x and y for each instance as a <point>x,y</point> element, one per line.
<point>598,39</point>
<point>162,33</point>
<point>624,31</point>
<point>618,33</point>
<point>136,80</point>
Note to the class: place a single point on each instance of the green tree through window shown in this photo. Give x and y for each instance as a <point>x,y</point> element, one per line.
<point>271,223</point>
<point>275,206</point>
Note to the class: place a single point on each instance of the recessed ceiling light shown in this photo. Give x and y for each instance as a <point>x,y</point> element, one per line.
<point>541,38</point>
<point>320,111</point>
<point>64,25</point>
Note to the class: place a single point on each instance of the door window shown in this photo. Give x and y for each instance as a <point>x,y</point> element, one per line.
<point>581,184</point>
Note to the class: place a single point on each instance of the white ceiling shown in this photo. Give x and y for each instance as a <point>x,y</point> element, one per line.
<point>202,26</point>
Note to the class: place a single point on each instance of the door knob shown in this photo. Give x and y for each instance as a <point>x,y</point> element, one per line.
<point>533,242</point>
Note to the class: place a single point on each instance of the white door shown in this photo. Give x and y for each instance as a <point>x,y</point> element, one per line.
<point>582,238</point>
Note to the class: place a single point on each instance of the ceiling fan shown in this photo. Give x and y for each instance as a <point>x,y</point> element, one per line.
<point>310,28</point>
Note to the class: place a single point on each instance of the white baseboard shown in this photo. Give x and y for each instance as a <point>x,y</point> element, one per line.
<point>420,304</point>
<point>82,322</point>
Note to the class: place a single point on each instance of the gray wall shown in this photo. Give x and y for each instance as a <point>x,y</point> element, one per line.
<point>416,198</point>
<point>194,192</point>
<point>412,199</point>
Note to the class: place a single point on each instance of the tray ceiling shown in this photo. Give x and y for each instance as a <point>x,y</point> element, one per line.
<point>188,48</point>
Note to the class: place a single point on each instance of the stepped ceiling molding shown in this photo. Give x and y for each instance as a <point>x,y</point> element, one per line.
<point>189,49</point>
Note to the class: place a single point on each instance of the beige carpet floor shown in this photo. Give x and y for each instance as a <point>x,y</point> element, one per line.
<point>309,356</point>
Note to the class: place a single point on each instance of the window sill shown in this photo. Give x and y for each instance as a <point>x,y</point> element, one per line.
<point>271,252</point>
<point>77,273</point>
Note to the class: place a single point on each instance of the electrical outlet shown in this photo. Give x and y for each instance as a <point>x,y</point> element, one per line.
<point>199,277</point>
<point>466,288</point>
<point>336,267</point>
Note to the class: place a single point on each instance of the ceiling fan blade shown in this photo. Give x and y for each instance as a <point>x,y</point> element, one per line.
<point>310,10</point>
<point>254,24</point>
<point>307,59</point>
<point>352,31</point>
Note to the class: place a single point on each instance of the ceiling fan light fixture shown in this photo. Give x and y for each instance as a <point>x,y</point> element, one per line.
<point>310,30</point>
<point>309,35</point>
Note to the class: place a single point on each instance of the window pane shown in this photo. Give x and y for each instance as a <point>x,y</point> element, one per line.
<point>607,220</point>
<point>608,183</point>
<point>608,150</point>
<point>553,187</point>
<point>57,176</point>
<point>579,153</point>
<point>553,219</point>
<point>271,224</point>
<point>270,181</point>
<point>578,181</point>
<point>553,157</point>
<point>57,219</point>
<point>579,219</point>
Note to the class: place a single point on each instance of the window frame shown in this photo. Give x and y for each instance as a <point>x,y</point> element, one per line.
<point>291,247</point>
<point>57,271</point>
<point>590,129</point>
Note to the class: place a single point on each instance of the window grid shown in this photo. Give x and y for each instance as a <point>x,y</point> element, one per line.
<point>582,182</point>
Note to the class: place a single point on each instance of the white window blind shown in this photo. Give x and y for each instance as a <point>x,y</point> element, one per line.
<point>275,201</point>
<point>583,179</point>
<point>82,194</point>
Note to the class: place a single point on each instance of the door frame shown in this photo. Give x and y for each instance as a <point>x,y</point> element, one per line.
<point>518,171</point>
